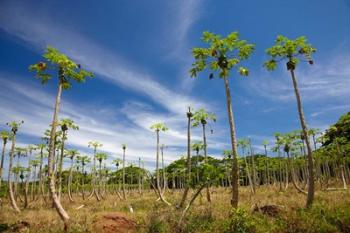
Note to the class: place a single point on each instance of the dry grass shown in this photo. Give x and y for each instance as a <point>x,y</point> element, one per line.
<point>153,216</point>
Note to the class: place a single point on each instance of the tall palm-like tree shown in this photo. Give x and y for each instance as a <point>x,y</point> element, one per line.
<point>4,135</point>
<point>117,163</point>
<point>287,140</point>
<point>84,160</point>
<point>123,178</point>
<point>94,145</point>
<point>277,148</point>
<point>29,151</point>
<point>41,156</point>
<point>158,127</point>
<point>34,163</point>
<point>19,152</point>
<point>313,133</point>
<point>197,146</point>
<point>221,56</point>
<point>71,154</point>
<point>162,147</point>
<point>265,143</point>
<point>65,124</point>
<point>100,158</point>
<point>14,128</point>
<point>293,51</point>
<point>227,157</point>
<point>244,143</point>
<point>68,71</point>
<point>188,180</point>
<point>202,117</point>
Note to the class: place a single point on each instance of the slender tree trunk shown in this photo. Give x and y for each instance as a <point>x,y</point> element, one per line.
<point>163,170</point>
<point>157,171</point>
<point>197,166</point>
<point>41,171</point>
<point>70,178</point>
<point>190,203</point>
<point>2,159</point>
<point>26,188</point>
<point>94,191</point>
<point>83,182</point>
<point>60,165</point>
<point>56,202</point>
<point>184,196</point>
<point>34,184</point>
<point>343,177</point>
<point>293,177</point>
<point>235,171</point>
<point>311,185</point>
<point>10,190</point>
<point>157,163</point>
<point>123,184</point>
<point>251,185</point>
<point>280,169</point>
<point>205,157</point>
<point>254,177</point>
<point>139,177</point>
<point>267,176</point>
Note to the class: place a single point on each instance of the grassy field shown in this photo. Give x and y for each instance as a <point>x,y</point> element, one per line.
<point>330,213</point>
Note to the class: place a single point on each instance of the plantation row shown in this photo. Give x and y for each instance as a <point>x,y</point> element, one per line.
<point>297,162</point>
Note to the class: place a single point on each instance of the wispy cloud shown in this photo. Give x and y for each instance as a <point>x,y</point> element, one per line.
<point>111,67</point>
<point>325,81</point>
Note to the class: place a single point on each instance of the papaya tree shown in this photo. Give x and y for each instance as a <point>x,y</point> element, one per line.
<point>83,160</point>
<point>202,117</point>
<point>67,71</point>
<point>34,163</point>
<point>265,143</point>
<point>94,145</point>
<point>123,178</point>
<point>158,127</point>
<point>293,52</point>
<point>117,162</point>
<point>188,180</point>
<point>65,124</point>
<point>28,152</point>
<point>221,56</point>
<point>100,158</point>
<point>197,146</point>
<point>41,156</point>
<point>4,135</point>
<point>14,128</point>
<point>244,144</point>
<point>71,154</point>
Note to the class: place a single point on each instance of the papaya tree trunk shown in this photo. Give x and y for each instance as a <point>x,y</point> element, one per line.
<point>56,202</point>
<point>10,188</point>
<point>123,184</point>
<point>311,184</point>
<point>235,175</point>
<point>26,188</point>
<point>184,196</point>
<point>205,158</point>
<point>2,159</point>
<point>70,179</point>
<point>158,176</point>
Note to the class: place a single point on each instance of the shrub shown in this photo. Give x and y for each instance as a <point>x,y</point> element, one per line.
<point>239,221</point>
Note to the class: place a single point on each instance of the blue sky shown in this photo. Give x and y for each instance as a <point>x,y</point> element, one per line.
<point>140,54</point>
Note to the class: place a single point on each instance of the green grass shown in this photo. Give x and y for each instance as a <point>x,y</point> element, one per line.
<point>330,213</point>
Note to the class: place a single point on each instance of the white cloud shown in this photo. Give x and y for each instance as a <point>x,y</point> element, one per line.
<point>22,23</point>
<point>325,81</point>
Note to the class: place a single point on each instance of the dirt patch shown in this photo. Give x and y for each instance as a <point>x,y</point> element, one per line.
<point>114,223</point>
<point>270,210</point>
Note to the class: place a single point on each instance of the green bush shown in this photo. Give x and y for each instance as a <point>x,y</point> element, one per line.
<point>239,221</point>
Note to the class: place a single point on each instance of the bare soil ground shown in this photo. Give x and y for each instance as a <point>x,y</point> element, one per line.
<point>114,223</point>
